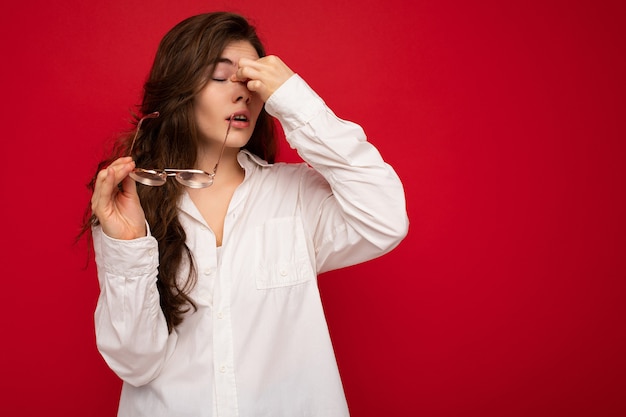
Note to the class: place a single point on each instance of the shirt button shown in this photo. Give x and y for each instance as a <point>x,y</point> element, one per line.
<point>222,369</point>
<point>220,315</point>
<point>151,252</point>
<point>207,271</point>
<point>283,272</point>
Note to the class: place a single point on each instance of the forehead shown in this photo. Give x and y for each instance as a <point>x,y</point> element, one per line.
<point>236,50</point>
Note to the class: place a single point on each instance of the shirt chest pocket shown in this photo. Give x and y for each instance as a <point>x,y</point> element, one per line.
<point>281,254</point>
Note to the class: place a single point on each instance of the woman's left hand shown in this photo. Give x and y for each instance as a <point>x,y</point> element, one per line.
<point>262,76</point>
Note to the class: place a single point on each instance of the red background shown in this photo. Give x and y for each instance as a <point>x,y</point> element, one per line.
<point>505,121</point>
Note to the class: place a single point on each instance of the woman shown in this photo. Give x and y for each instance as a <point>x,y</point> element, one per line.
<point>209,303</point>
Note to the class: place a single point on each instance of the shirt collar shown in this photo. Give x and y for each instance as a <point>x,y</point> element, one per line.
<point>248,162</point>
<point>247,159</point>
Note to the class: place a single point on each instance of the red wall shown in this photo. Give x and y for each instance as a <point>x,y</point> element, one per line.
<point>506,122</point>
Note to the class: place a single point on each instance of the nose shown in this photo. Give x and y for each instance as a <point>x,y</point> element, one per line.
<point>241,92</point>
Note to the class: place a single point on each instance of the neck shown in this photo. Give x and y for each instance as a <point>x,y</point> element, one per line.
<point>228,168</point>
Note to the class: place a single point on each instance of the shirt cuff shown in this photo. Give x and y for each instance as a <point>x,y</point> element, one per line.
<point>129,257</point>
<point>294,103</point>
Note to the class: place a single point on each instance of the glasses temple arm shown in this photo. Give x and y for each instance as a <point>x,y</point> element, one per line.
<point>153,115</point>
<point>230,120</point>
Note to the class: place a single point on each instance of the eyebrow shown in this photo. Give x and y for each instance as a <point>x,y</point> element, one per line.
<point>224,61</point>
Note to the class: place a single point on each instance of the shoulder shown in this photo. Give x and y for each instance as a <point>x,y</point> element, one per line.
<point>289,172</point>
<point>255,164</point>
<point>280,175</point>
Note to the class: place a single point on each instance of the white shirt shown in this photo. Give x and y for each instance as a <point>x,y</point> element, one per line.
<point>258,345</point>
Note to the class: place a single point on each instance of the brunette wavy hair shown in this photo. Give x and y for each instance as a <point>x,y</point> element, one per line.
<point>183,65</point>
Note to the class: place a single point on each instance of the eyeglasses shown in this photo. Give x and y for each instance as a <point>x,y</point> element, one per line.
<point>192,178</point>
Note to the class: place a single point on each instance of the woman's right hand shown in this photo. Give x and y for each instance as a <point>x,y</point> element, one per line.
<point>118,208</point>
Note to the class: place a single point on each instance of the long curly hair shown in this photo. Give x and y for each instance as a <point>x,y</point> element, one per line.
<point>182,66</point>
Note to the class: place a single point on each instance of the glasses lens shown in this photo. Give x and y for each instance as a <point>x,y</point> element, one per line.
<point>194,179</point>
<point>149,177</point>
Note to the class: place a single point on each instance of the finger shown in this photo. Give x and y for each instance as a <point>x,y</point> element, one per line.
<point>97,190</point>
<point>105,182</point>
<point>244,74</point>
<point>249,69</point>
<point>252,63</point>
<point>255,86</point>
<point>108,178</point>
<point>122,160</point>
<point>121,168</point>
<point>103,191</point>
<point>129,186</point>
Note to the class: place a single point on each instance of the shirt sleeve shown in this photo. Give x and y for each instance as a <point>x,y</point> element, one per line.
<point>131,331</point>
<point>365,215</point>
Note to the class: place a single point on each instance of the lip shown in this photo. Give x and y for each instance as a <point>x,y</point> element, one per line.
<point>237,123</point>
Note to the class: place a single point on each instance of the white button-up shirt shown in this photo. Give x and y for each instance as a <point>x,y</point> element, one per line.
<point>258,344</point>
